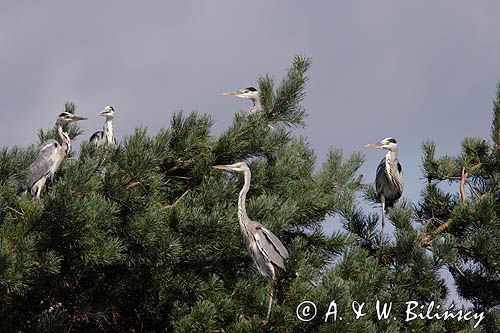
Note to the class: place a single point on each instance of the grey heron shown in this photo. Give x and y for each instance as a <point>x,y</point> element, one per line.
<point>389,177</point>
<point>106,136</point>
<point>266,250</point>
<point>49,158</point>
<point>250,93</point>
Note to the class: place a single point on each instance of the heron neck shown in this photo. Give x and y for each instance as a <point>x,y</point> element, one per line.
<point>391,154</point>
<point>390,157</point>
<point>65,140</point>
<point>257,106</point>
<point>242,212</point>
<point>108,130</point>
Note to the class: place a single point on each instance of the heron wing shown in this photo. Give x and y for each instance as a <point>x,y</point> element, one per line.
<point>97,136</point>
<point>389,185</point>
<point>270,246</point>
<point>398,178</point>
<point>45,162</point>
<point>381,177</point>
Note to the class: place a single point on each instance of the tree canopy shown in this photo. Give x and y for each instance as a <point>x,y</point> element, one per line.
<point>143,237</point>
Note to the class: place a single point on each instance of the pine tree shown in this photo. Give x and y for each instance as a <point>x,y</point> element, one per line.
<point>464,228</point>
<point>143,237</point>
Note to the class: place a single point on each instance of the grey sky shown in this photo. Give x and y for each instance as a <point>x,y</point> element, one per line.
<point>408,70</point>
<point>412,70</point>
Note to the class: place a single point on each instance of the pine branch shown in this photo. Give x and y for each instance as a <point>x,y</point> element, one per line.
<point>495,126</point>
<point>427,239</point>
<point>284,105</point>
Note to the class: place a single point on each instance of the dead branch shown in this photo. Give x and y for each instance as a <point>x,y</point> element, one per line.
<point>15,211</point>
<point>134,184</point>
<point>427,240</point>
<point>462,185</point>
<point>181,165</point>
<point>179,177</point>
<point>178,199</point>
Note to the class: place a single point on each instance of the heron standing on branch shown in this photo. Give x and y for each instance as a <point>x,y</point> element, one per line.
<point>250,93</point>
<point>266,249</point>
<point>49,158</point>
<point>106,136</point>
<point>389,178</point>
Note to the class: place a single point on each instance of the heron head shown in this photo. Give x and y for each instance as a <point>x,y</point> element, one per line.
<point>108,112</point>
<point>250,93</point>
<point>387,143</point>
<point>66,117</point>
<point>238,167</point>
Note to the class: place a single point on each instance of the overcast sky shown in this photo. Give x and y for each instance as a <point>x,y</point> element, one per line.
<point>412,70</point>
<point>409,70</point>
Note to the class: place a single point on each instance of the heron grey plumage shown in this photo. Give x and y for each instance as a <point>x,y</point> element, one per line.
<point>106,136</point>
<point>250,93</point>
<point>49,158</point>
<point>266,250</point>
<point>389,177</point>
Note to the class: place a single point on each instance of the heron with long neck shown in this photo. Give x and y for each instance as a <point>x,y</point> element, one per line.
<point>106,136</point>
<point>49,158</point>
<point>249,93</point>
<point>389,176</point>
<point>266,250</point>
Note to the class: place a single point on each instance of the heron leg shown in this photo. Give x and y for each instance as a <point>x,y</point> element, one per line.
<point>382,201</point>
<point>38,186</point>
<point>270,303</point>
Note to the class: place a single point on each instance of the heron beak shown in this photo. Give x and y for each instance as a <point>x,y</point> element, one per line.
<point>78,118</point>
<point>374,145</point>
<point>103,113</point>
<point>222,167</point>
<point>232,93</point>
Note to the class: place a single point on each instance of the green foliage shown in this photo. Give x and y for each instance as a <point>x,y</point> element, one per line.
<point>465,227</point>
<point>495,126</point>
<point>144,236</point>
<point>283,104</point>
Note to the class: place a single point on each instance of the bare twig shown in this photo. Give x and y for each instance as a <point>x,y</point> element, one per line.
<point>182,165</point>
<point>463,179</point>
<point>426,241</point>
<point>134,184</point>
<point>178,199</point>
<point>477,166</point>
<point>474,191</point>
<point>462,185</point>
<point>432,220</point>
<point>455,267</point>
<point>15,211</point>
<point>179,177</point>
